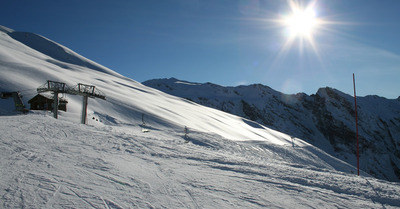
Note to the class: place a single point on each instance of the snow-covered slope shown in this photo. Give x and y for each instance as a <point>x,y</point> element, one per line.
<point>24,69</point>
<point>49,163</point>
<point>326,119</point>
<point>224,161</point>
<point>54,50</point>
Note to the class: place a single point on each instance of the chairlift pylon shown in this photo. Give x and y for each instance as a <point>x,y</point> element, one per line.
<point>80,89</point>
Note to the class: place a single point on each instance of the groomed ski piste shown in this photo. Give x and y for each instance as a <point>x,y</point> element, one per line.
<point>223,162</point>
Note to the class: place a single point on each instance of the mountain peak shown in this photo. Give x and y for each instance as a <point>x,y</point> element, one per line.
<point>331,92</point>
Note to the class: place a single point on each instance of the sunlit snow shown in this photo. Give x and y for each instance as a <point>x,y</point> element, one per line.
<point>224,162</point>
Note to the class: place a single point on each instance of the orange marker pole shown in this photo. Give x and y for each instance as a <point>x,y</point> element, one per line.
<point>355,104</point>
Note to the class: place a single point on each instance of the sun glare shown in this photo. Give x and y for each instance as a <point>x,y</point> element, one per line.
<point>301,23</point>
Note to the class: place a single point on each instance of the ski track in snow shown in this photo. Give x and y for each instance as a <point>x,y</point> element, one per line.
<point>49,163</point>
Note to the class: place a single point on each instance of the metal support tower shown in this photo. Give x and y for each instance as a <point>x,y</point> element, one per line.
<point>86,91</point>
<point>55,87</point>
<point>55,104</point>
<point>81,89</point>
<point>84,110</point>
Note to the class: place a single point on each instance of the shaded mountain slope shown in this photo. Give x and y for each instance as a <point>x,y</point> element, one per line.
<point>325,119</point>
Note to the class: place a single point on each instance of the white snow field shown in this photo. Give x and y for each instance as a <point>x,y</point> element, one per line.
<point>224,162</point>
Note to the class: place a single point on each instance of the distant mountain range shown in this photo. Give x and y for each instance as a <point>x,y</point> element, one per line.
<point>325,119</point>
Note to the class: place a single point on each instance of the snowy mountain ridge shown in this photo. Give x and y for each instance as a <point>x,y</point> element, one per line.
<point>325,119</point>
<point>54,50</point>
<point>222,161</point>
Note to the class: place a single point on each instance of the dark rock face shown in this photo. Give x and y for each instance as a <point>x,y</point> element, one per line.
<point>325,119</point>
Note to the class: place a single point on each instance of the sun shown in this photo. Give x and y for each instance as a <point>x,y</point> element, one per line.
<point>301,23</point>
<point>302,29</point>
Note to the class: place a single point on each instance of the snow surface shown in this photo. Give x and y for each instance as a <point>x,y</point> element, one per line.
<point>224,162</point>
<point>49,163</point>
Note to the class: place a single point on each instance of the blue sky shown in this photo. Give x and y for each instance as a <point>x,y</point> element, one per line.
<point>227,42</point>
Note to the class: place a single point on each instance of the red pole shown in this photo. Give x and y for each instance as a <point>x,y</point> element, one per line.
<point>355,104</point>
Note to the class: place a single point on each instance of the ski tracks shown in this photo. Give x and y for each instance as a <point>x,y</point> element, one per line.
<point>51,200</point>
<point>110,204</point>
<point>192,198</point>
